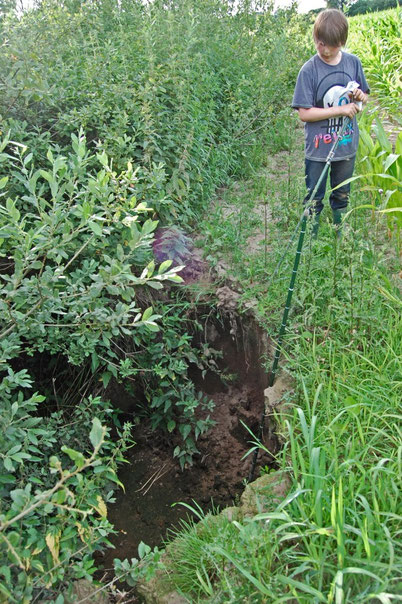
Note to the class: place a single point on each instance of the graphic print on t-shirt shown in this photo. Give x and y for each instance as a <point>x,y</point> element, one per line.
<point>335,96</point>
<point>317,80</point>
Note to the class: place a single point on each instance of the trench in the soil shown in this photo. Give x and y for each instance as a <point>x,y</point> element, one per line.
<point>153,480</point>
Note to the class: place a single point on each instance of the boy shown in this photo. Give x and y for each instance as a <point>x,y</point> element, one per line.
<point>323,104</point>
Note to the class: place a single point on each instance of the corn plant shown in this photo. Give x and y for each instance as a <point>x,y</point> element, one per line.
<point>376,39</point>
<point>379,168</point>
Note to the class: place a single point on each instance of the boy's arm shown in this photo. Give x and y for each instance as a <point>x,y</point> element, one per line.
<point>315,114</point>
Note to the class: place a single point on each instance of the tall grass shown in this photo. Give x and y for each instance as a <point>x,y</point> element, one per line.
<point>336,536</point>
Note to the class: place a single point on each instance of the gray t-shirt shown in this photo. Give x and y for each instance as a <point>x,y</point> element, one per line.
<point>321,85</point>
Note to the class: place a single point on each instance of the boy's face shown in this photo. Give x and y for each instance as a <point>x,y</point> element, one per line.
<point>328,54</point>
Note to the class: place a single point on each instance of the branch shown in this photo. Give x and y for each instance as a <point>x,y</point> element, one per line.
<point>44,497</point>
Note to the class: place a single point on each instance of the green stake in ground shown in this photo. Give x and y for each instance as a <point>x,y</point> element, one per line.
<point>306,213</point>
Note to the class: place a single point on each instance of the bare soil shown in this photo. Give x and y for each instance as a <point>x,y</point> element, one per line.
<point>152,478</point>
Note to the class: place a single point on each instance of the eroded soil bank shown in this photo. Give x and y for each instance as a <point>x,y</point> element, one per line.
<point>153,480</point>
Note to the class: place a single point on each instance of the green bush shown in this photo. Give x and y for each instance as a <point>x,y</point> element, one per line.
<point>114,117</point>
<point>184,90</point>
<point>53,513</point>
<point>76,248</point>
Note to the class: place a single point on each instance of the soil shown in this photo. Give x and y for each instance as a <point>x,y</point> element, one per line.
<point>152,478</point>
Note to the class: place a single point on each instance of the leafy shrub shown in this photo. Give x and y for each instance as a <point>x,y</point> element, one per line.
<point>184,92</point>
<point>69,246</point>
<point>53,515</point>
<point>77,249</point>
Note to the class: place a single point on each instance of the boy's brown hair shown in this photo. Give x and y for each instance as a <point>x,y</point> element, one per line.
<point>331,27</point>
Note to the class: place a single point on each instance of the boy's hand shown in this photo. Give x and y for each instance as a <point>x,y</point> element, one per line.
<point>349,110</point>
<point>361,96</point>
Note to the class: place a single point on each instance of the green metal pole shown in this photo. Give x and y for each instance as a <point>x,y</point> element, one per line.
<point>274,369</point>
<point>310,203</point>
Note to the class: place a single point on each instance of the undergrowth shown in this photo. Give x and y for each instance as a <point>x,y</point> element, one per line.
<point>117,116</point>
<point>336,536</point>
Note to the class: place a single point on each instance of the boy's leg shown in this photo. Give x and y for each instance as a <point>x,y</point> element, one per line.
<point>313,170</point>
<point>340,171</point>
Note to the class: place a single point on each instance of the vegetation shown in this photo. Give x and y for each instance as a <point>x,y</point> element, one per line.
<point>115,117</point>
<point>380,170</point>
<point>358,7</point>
<point>335,537</point>
<point>369,6</point>
<point>118,122</point>
<point>376,39</point>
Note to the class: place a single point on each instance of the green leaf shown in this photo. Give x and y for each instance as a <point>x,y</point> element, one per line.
<point>164,266</point>
<point>7,479</point>
<point>150,268</point>
<point>106,375</point>
<point>47,175</point>
<point>38,565</point>
<point>155,284</point>
<point>95,228</point>
<point>147,313</point>
<point>185,430</point>
<point>28,158</point>
<point>3,182</point>
<point>94,361</point>
<point>97,433</point>
<point>112,476</point>
<point>176,278</point>
<point>13,211</point>
<point>392,157</point>
<point>143,549</point>
<point>389,210</point>
<point>102,158</point>
<point>76,456</point>
<point>381,135</point>
<point>148,226</point>
<point>302,587</point>
<point>171,425</point>
<point>19,457</point>
<point>151,326</point>
<point>351,570</point>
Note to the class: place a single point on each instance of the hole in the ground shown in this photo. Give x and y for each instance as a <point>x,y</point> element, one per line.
<point>152,478</point>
